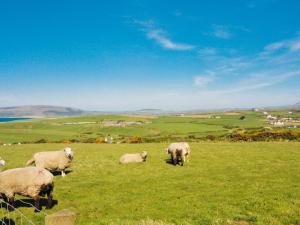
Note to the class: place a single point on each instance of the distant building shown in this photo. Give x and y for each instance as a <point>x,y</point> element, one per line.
<point>278,123</point>
<point>270,117</point>
<point>120,123</point>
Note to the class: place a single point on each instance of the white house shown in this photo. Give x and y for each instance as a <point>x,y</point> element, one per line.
<point>278,123</point>
<point>270,117</point>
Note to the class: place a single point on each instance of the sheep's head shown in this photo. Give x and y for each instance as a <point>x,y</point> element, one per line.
<point>144,155</point>
<point>2,162</point>
<point>69,152</point>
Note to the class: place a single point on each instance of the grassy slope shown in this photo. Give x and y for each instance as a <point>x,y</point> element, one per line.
<point>224,183</point>
<point>55,130</point>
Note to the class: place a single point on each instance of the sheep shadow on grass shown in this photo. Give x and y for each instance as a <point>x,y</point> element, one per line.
<point>58,173</point>
<point>5,221</point>
<point>169,161</point>
<point>28,203</point>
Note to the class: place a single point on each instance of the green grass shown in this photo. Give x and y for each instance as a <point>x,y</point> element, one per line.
<point>163,126</point>
<point>224,183</point>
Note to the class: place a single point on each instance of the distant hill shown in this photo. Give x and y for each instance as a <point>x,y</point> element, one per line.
<point>149,111</point>
<point>35,111</point>
<point>297,105</point>
<point>40,111</point>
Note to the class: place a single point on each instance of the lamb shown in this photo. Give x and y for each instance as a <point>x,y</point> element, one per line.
<point>53,160</point>
<point>133,158</point>
<point>30,182</point>
<point>179,151</point>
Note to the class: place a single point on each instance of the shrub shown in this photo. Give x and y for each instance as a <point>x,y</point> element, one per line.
<point>211,137</point>
<point>135,139</point>
<point>73,140</point>
<point>40,141</point>
<point>265,135</point>
<point>100,140</point>
<point>89,140</point>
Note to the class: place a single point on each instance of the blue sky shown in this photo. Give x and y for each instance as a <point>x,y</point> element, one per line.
<point>173,55</point>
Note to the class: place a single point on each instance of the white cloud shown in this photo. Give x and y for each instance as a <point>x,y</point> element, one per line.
<point>204,80</point>
<point>160,36</point>
<point>274,46</point>
<point>226,31</point>
<point>258,81</point>
<point>291,45</point>
<point>145,23</point>
<point>222,32</point>
<point>252,73</point>
<point>295,46</point>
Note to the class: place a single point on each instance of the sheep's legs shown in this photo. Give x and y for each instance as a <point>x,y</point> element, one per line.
<point>11,202</point>
<point>63,173</point>
<point>174,158</point>
<point>50,197</point>
<point>182,160</point>
<point>37,204</point>
<point>3,196</point>
<point>175,161</point>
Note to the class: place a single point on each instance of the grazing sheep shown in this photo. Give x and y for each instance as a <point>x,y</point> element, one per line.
<point>179,151</point>
<point>53,160</point>
<point>133,158</point>
<point>2,162</point>
<point>30,182</point>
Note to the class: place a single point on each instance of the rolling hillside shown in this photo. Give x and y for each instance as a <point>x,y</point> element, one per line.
<point>40,111</point>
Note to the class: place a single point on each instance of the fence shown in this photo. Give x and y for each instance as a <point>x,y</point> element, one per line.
<point>15,217</point>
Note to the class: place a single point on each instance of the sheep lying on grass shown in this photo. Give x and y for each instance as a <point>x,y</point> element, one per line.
<point>2,162</point>
<point>179,151</point>
<point>53,160</point>
<point>133,158</point>
<point>30,182</point>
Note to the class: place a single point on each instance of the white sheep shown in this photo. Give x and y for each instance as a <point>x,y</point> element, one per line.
<point>29,181</point>
<point>2,162</point>
<point>133,158</point>
<point>179,151</point>
<point>53,160</point>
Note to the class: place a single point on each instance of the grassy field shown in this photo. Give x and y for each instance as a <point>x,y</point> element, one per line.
<point>164,127</point>
<point>224,183</point>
